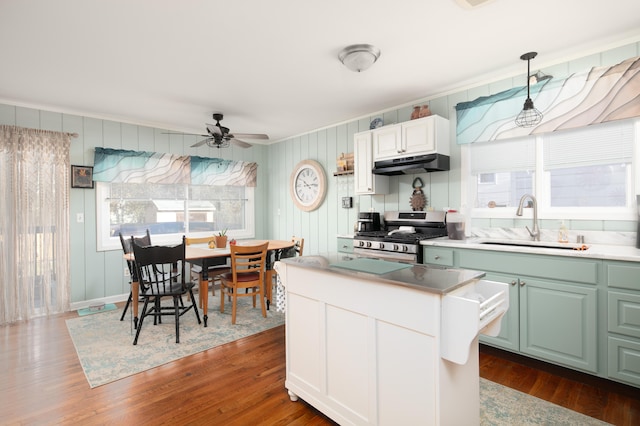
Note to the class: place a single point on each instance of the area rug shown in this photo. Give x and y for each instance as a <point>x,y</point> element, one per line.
<point>105,344</point>
<point>500,405</point>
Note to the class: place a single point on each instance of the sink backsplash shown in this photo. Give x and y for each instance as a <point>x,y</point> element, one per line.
<point>619,238</point>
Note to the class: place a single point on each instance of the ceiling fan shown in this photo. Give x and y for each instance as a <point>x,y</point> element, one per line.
<point>218,136</point>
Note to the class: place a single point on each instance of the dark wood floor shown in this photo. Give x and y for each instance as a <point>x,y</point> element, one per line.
<point>42,382</point>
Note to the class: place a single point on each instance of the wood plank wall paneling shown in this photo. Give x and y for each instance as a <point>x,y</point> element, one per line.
<point>96,275</point>
<point>100,274</point>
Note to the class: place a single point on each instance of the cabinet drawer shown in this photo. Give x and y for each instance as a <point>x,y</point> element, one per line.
<point>623,275</point>
<point>624,313</point>
<point>438,256</point>
<point>584,271</point>
<point>624,360</point>
<point>345,245</point>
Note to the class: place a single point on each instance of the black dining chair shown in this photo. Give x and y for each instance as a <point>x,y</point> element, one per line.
<point>127,248</point>
<point>164,270</point>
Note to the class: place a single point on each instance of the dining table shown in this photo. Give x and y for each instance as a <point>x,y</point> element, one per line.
<point>202,255</point>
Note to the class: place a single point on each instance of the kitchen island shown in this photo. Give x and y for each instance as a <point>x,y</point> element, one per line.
<point>385,343</point>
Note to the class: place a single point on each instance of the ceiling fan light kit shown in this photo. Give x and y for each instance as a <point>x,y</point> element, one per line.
<point>529,116</point>
<point>220,137</point>
<point>359,57</point>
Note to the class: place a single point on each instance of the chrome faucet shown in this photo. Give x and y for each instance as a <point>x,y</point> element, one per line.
<point>535,233</point>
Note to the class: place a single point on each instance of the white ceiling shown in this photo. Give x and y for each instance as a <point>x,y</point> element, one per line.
<point>271,66</point>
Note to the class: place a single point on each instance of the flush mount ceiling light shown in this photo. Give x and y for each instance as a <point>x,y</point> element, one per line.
<point>359,57</point>
<point>529,116</point>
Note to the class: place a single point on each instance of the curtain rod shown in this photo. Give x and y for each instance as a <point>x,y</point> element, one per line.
<point>18,128</point>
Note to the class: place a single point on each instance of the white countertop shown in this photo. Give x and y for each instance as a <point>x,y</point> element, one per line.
<point>597,251</point>
<point>345,236</point>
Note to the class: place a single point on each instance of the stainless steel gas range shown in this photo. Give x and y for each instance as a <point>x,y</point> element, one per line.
<point>400,239</point>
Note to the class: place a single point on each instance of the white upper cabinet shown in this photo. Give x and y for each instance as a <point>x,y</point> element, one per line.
<point>365,181</point>
<point>387,141</point>
<point>426,135</point>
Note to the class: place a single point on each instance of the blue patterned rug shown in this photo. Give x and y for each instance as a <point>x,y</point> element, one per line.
<point>105,344</point>
<point>500,405</point>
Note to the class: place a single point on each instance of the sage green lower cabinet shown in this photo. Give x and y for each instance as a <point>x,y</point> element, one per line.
<point>553,305</point>
<point>345,245</point>
<point>558,322</point>
<point>509,337</point>
<point>623,321</point>
<point>581,313</point>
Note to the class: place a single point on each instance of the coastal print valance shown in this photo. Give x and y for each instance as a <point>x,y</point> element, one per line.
<point>596,96</point>
<point>123,166</point>
<point>215,171</point>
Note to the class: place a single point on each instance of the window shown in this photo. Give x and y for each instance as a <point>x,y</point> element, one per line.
<point>170,211</point>
<point>590,166</point>
<point>580,173</point>
<point>503,171</point>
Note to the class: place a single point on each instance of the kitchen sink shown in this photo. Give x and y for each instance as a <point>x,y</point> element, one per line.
<point>536,244</point>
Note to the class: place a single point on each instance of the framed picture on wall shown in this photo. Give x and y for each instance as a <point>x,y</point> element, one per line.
<point>81,177</point>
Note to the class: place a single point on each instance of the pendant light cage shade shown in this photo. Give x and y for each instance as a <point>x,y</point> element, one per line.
<point>359,57</point>
<point>529,116</point>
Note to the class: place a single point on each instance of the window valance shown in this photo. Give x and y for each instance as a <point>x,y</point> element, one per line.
<point>598,95</point>
<point>123,166</point>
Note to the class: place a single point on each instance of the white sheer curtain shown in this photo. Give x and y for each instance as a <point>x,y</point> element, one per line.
<point>34,223</point>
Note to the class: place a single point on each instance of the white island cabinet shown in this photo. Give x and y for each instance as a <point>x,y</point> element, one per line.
<point>372,342</point>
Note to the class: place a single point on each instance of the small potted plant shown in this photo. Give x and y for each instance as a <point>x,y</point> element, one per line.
<point>221,239</point>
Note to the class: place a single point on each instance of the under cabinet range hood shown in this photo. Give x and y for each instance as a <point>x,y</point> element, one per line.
<point>412,165</point>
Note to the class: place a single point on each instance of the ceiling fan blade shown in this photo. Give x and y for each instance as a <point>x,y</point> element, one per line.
<point>184,134</point>
<point>241,144</point>
<point>250,135</point>
<point>202,142</point>
<point>213,129</point>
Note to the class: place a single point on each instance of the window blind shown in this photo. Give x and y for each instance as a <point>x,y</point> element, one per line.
<point>609,143</point>
<point>500,156</point>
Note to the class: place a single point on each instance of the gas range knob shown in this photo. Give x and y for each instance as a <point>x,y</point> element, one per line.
<point>395,247</point>
<point>368,244</point>
<point>360,243</point>
<point>405,248</point>
<point>380,246</point>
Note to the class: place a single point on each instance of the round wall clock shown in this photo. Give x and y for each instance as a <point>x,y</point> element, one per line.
<point>307,185</point>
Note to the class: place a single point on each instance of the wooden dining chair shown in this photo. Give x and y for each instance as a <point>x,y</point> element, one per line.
<point>144,240</point>
<point>164,270</point>
<point>213,271</point>
<point>248,267</point>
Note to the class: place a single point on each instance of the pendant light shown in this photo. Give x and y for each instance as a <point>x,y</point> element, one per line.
<point>529,116</point>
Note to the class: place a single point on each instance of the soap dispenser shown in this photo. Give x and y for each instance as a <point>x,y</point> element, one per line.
<point>563,234</point>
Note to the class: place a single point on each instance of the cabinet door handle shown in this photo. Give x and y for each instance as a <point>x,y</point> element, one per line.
<point>513,282</point>
<point>436,257</point>
<point>522,283</point>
